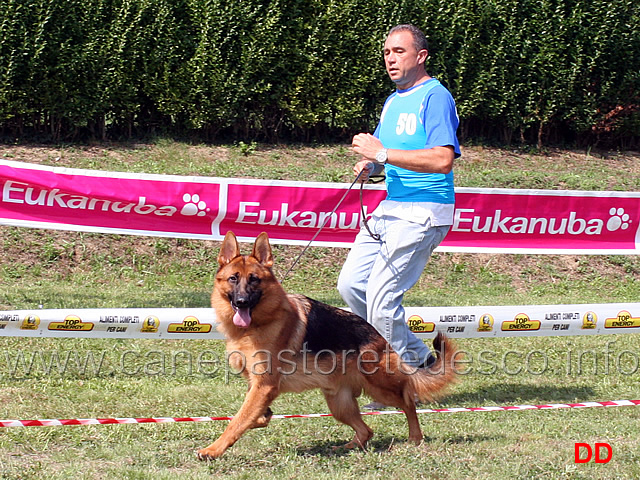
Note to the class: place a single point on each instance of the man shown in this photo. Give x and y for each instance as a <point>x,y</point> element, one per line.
<point>415,142</point>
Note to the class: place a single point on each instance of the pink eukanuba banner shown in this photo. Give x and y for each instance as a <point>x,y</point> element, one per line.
<point>486,220</point>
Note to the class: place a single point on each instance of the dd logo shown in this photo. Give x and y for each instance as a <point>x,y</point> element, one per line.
<point>590,453</point>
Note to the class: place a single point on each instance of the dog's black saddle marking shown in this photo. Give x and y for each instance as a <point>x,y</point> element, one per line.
<point>334,329</point>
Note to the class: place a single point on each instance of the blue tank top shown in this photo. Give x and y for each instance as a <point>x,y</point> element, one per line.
<point>423,116</point>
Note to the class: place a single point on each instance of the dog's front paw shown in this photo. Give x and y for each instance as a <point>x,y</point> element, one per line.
<point>207,454</point>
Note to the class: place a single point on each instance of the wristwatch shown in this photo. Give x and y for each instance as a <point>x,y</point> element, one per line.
<point>381,157</point>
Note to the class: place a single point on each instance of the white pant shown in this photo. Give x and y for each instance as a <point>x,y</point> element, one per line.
<point>376,275</point>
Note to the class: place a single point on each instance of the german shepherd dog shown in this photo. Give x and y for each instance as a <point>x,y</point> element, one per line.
<point>291,343</point>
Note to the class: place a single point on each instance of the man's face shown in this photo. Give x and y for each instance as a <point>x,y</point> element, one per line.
<point>403,61</point>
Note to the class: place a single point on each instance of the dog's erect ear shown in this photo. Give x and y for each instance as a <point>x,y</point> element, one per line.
<point>262,250</point>
<point>229,249</point>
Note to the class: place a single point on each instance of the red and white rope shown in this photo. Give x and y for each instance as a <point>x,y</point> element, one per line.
<point>118,421</point>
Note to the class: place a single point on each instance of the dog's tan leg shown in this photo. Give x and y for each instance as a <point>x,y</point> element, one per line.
<point>264,420</point>
<point>344,408</point>
<point>254,413</point>
<point>395,397</point>
<point>415,433</point>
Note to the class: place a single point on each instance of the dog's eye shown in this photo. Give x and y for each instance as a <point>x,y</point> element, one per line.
<point>233,279</point>
<point>254,279</point>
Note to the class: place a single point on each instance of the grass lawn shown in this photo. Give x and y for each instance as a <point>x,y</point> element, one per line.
<point>87,378</point>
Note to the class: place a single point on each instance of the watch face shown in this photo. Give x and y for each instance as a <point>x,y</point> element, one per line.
<point>381,156</point>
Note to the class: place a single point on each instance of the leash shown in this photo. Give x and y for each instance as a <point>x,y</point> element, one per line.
<point>364,220</point>
<point>375,236</point>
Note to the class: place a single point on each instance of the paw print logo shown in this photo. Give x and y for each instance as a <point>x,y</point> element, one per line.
<point>618,220</point>
<point>193,206</point>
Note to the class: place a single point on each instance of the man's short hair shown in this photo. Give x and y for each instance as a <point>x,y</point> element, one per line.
<point>419,39</point>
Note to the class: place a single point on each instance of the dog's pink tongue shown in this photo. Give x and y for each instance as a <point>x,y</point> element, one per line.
<point>242,318</point>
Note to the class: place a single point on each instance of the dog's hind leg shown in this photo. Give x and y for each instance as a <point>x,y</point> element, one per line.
<point>344,408</point>
<point>400,400</point>
<point>415,433</point>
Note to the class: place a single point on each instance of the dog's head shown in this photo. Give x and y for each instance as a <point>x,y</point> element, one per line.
<point>241,278</point>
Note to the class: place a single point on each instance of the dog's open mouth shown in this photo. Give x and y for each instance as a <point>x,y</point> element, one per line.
<point>242,317</point>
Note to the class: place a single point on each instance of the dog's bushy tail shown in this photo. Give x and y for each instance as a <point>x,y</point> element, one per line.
<point>430,384</point>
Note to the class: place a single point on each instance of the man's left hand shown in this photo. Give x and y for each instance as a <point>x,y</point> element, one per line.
<point>366,145</point>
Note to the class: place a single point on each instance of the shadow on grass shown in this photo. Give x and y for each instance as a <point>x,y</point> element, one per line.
<point>378,444</point>
<point>386,443</point>
<point>521,393</point>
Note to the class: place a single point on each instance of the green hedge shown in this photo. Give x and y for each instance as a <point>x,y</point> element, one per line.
<point>530,70</point>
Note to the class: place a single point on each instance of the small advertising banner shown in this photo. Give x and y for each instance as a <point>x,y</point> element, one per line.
<point>110,323</point>
<point>486,220</point>
<point>525,320</point>
<point>292,212</point>
<point>456,322</point>
<point>545,221</point>
<point>80,200</point>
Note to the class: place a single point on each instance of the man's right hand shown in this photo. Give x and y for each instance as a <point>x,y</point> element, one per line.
<point>366,167</point>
